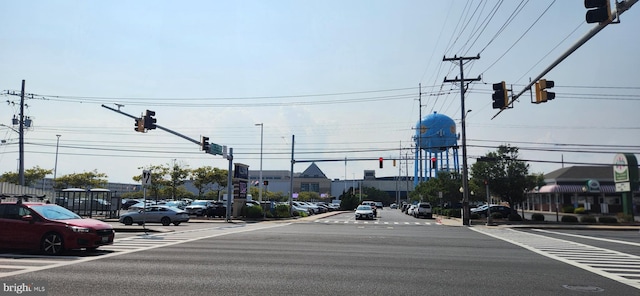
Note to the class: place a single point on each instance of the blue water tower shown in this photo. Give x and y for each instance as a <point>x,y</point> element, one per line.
<point>437,143</point>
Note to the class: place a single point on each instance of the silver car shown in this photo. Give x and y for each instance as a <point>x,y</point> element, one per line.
<point>155,214</point>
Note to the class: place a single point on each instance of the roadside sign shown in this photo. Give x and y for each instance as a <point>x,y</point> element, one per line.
<point>146,177</point>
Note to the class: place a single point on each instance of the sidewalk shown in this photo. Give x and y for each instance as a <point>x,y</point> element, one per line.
<point>451,221</point>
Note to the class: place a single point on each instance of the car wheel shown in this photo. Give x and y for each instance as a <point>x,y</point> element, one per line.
<point>127,221</point>
<point>176,223</point>
<point>165,221</point>
<point>52,244</point>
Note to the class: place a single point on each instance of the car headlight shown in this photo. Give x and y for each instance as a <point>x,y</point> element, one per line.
<point>79,229</point>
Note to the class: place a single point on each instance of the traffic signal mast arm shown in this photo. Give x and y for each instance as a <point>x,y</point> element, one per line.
<point>620,8</point>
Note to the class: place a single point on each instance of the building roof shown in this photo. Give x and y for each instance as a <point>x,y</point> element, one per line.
<point>313,171</point>
<point>580,173</point>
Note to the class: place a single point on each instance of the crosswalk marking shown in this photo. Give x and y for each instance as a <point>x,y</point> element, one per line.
<point>328,221</point>
<point>618,266</point>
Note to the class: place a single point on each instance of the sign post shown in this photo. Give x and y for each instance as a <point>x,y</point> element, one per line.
<point>625,175</point>
<point>146,181</point>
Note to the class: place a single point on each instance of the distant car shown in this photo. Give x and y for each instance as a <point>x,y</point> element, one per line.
<point>198,207</point>
<point>126,203</point>
<point>482,210</point>
<point>373,206</point>
<point>411,209</point>
<point>155,214</point>
<point>50,228</point>
<point>218,209</point>
<point>393,206</point>
<point>379,205</point>
<point>364,212</point>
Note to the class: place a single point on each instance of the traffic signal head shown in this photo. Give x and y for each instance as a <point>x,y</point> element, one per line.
<point>542,95</point>
<point>149,121</point>
<point>139,125</point>
<point>598,11</point>
<point>433,162</point>
<point>204,144</point>
<point>380,160</point>
<point>500,95</point>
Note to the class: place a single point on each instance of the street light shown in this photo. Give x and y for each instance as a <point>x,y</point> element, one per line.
<point>260,184</point>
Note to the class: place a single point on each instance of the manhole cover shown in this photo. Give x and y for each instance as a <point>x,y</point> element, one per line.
<point>583,288</point>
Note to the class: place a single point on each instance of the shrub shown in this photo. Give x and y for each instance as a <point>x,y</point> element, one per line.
<point>514,217</point>
<point>537,217</point>
<point>282,211</point>
<point>474,216</point>
<point>608,219</point>
<point>624,217</point>
<point>588,219</point>
<point>579,210</point>
<point>567,209</point>
<point>570,219</point>
<point>456,213</point>
<point>253,212</point>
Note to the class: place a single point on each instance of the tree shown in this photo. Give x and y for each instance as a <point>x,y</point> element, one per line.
<point>177,175</point>
<point>205,177</point>
<point>84,180</point>
<point>30,176</point>
<point>375,194</point>
<point>504,173</point>
<point>447,183</point>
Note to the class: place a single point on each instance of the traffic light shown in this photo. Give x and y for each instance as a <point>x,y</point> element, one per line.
<point>265,183</point>
<point>204,144</point>
<point>500,95</point>
<point>433,162</point>
<point>542,96</point>
<point>149,121</point>
<point>598,11</point>
<point>139,125</point>
<point>380,160</point>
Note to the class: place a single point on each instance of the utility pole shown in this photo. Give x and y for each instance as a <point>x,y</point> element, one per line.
<point>420,131</point>
<point>465,173</point>
<point>21,133</point>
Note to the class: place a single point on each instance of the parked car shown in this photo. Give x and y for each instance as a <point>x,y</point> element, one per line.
<point>411,209</point>
<point>364,212</point>
<point>50,228</point>
<point>423,210</point>
<point>218,209</point>
<point>482,210</point>
<point>126,203</point>
<point>198,207</point>
<point>155,214</point>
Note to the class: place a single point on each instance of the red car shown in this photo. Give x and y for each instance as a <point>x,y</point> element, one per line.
<point>49,228</point>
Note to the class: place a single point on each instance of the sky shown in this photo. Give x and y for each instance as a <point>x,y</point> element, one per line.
<point>342,77</point>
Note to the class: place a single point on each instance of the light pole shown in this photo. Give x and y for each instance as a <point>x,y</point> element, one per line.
<point>260,184</point>
<point>55,167</point>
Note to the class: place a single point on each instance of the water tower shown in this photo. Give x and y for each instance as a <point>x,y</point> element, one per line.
<point>437,144</point>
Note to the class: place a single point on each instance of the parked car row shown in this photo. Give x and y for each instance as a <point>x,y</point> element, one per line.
<point>422,209</point>
<point>483,210</point>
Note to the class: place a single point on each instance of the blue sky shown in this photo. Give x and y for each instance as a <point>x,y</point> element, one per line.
<point>342,76</point>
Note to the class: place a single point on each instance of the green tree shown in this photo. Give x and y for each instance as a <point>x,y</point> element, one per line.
<point>158,172</point>
<point>504,173</point>
<point>84,180</point>
<point>205,177</point>
<point>177,176</point>
<point>30,176</point>
<point>447,183</point>
<point>375,194</point>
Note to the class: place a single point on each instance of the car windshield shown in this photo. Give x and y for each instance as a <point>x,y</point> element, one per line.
<point>54,212</point>
<point>363,207</point>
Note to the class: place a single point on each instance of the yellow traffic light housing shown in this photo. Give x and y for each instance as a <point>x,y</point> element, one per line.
<point>139,125</point>
<point>542,95</point>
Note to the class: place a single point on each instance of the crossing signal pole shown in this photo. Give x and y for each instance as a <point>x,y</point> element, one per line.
<point>465,173</point>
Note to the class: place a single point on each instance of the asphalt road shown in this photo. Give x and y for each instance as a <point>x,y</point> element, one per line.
<point>393,255</point>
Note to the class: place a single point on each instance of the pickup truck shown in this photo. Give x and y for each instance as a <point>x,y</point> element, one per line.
<point>423,210</point>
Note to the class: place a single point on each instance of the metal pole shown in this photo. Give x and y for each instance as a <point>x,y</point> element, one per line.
<point>293,141</point>
<point>229,184</point>
<point>55,166</point>
<point>260,185</point>
<point>488,203</point>
<point>21,133</point>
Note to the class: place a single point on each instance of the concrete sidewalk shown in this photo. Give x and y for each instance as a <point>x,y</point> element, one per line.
<point>450,221</point>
